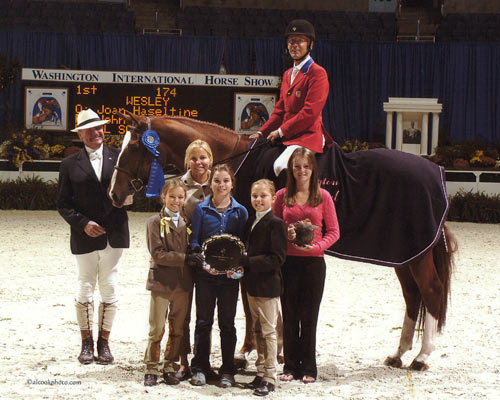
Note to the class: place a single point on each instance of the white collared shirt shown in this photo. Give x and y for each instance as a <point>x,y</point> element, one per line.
<point>173,215</point>
<point>298,68</point>
<point>96,160</point>
<point>258,216</point>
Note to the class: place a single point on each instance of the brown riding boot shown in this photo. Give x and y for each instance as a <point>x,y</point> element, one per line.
<point>103,351</point>
<point>87,354</point>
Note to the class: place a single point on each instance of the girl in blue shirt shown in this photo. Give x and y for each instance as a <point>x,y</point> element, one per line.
<point>219,213</point>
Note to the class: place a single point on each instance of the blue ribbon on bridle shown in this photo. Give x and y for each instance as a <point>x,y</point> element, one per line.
<point>156,180</point>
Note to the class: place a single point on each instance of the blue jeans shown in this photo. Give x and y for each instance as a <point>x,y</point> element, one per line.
<point>212,290</point>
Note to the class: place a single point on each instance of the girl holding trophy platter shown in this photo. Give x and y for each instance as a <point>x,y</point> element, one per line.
<point>219,214</point>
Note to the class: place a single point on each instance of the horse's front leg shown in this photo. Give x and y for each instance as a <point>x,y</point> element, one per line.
<point>405,343</point>
<point>430,330</point>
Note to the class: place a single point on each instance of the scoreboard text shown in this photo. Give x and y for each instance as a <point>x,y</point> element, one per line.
<point>208,97</point>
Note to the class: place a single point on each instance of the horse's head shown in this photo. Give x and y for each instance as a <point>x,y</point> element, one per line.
<point>132,168</point>
<point>175,133</point>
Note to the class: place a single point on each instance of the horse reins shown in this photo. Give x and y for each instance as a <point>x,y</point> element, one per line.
<point>137,183</point>
<point>246,152</point>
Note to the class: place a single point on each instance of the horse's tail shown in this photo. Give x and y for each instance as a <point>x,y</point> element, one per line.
<point>443,258</point>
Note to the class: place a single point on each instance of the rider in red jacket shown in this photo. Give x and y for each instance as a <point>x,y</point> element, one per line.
<point>297,116</point>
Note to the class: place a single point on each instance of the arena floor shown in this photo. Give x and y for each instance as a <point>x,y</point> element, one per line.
<point>360,323</point>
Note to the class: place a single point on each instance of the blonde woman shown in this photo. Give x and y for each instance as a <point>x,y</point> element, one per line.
<point>198,163</point>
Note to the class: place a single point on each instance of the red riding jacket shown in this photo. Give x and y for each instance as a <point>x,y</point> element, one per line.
<point>298,111</point>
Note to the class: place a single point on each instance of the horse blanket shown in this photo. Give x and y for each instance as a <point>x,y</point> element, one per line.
<point>391,205</point>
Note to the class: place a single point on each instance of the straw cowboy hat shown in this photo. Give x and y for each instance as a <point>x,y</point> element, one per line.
<point>88,119</point>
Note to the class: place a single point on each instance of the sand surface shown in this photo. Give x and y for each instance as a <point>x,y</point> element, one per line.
<point>360,323</point>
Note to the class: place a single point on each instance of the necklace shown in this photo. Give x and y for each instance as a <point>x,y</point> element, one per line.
<point>222,206</point>
<point>224,203</point>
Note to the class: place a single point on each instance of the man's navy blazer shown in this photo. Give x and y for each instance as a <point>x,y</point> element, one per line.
<point>82,198</point>
<point>266,250</point>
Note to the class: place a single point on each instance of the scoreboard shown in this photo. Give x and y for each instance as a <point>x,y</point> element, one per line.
<point>53,98</point>
<point>203,103</point>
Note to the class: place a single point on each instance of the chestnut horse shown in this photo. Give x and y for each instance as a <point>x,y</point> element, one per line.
<point>424,277</point>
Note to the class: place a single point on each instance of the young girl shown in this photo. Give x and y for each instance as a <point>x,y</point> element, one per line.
<point>304,269</point>
<point>197,161</point>
<point>169,280</point>
<point>266,252</point>
<point>219,213</point>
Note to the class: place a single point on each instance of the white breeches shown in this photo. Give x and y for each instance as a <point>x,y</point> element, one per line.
<point>281,162</point>
<point>101,266</point>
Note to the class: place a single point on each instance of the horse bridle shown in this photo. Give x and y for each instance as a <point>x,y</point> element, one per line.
<point>136,182</point>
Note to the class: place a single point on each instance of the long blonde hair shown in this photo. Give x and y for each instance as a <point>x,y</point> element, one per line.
<point>291,185</point>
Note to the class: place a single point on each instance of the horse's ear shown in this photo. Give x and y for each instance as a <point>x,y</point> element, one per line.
<point>130,118</point>
<point>134,118</point>
<point>126,118</point>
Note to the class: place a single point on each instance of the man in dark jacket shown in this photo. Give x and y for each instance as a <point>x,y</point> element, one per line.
<point>99,231</point>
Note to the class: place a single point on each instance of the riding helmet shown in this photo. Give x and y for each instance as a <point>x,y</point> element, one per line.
<point>300,27</point>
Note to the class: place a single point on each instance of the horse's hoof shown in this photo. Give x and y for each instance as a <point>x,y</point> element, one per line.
<point>393,362</point>
<point>419,366</point>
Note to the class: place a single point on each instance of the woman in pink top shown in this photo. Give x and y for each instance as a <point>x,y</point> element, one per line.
<point>304,269</point>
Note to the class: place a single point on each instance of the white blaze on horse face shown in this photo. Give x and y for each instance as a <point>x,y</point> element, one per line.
<point>130,198</point>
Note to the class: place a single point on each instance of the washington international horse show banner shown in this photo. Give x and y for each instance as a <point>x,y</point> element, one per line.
<point>53,97</point>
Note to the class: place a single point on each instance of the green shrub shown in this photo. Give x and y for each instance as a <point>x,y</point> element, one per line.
<point>31,193</point>
<point>474,207</point>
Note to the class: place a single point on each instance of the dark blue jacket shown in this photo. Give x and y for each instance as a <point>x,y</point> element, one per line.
<point>207,221</point>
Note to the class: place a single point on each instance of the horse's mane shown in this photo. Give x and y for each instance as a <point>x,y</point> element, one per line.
<point>192,121</point>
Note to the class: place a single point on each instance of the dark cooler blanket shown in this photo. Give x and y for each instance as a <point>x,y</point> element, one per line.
<point>391,205</point>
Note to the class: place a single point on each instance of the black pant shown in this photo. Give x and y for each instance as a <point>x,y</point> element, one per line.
<point>209,290</point>
<point>304,281</point>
